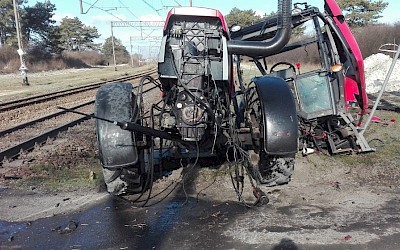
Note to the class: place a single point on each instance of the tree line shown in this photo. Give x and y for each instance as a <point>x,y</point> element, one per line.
<point>358,13</point>
<point>361,15</point>
<point>40,31</point>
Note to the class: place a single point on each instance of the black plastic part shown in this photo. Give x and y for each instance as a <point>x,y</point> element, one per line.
<point>117,147</point>
<point>279,115</point>
<point>281,38</point>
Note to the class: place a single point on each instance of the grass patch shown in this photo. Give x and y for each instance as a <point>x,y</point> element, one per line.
<point>41,83</point>
<point>384,138</point>
<point>52,178</point>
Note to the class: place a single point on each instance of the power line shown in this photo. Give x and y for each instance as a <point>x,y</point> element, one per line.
<point>133,26</point>
<point>90,6</point>
<point>147,38</point>
<point>104,8</point>
<point>152,24</point>
<point>178,3</point>
<point>151,6</point>
<point>129,10</point>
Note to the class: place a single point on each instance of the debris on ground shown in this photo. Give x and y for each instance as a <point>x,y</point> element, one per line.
<point>347,237</point>
<point>72,226</point>
<point>335,184</point>
<point>141,226</point>
<point>385,122</point>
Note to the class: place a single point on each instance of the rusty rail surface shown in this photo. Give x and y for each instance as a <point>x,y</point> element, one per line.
<point>14,151</point>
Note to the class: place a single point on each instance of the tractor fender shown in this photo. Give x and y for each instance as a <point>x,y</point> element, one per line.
<point>279,115</point>
<point>117,147</point>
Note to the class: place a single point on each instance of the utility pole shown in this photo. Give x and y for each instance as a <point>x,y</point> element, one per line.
<point>20,50</point>
<point>130,43</point>
<point>190,3</point>
<point>140,56</point>
<point>113,47</point>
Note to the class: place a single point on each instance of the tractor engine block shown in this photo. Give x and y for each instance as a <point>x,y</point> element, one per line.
<point>193,63</point>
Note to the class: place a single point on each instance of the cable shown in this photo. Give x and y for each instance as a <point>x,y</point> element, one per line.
<point>151,159</point>
<point>129,10</point>
<point>151,6</point>
<point>114,16</point>
<point>198,193</point>
<point>244,161</point>
<point>193,165</point>
<point>178,3</point>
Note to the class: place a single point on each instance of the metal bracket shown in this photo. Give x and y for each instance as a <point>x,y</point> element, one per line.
<point>359,136</point>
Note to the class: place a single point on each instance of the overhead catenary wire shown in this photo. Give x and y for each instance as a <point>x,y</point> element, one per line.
<point>129,10</point>
<point>117,17</point>
<point>151,6</point>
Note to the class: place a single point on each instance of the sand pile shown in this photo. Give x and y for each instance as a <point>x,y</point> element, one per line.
<point>376,68</point>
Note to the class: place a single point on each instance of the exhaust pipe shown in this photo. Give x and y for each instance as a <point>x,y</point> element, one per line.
<point>273,46</point>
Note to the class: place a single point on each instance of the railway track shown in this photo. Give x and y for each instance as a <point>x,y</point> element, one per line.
<point>5,106</point>
<point>27,143</point>
<point>25,136</point>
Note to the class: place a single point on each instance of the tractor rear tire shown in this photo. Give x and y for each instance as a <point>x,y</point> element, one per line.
<point>122,161</point>
<point>123,181</point>
<point>268,170</point>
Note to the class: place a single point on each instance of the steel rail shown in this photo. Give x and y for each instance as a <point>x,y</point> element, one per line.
<point>45,97</point>
<point>14,151</point>
<point>48,117</point>
<point>77,88</point>
<point>41,119</point>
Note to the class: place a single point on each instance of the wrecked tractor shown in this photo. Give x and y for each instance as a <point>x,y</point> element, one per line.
<point>204,116</point>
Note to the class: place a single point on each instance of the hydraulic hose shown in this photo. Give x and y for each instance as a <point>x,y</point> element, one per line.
<point>273,46</point>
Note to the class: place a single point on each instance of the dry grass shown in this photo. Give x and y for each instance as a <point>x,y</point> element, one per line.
<point>88,57</point>
<point>38,60</point>
<point>384,138</point>
<point>11,84</point>
<point>370,38</point>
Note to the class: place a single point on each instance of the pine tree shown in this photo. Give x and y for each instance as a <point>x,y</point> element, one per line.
<point>121,53</point>
<point>242,18</point>
<point>7,21</point>
<point>74,35</point>
<point>362,12</point>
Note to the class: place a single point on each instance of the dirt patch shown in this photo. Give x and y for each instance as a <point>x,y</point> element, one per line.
<point>68,163</point>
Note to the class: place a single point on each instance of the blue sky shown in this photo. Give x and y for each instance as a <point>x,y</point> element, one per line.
<point>101,12</point>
